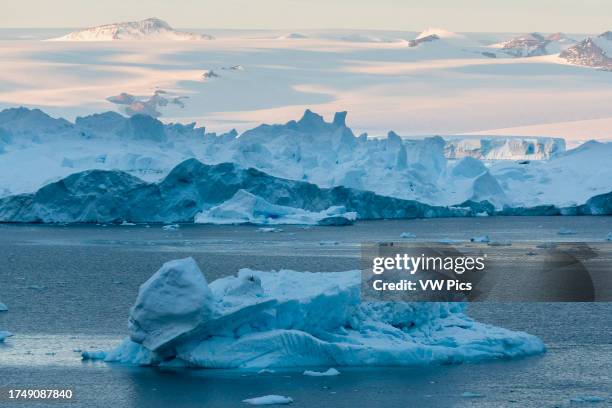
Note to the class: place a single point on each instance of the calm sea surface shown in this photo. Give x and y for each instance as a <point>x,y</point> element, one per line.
<point>70,288</point>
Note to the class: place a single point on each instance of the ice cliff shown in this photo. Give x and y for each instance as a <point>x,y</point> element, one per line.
<point>210,192</point>
<point>294,319</point>
<point>504,148</point>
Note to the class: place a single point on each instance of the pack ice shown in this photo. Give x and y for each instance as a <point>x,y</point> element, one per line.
<point>291,319</point>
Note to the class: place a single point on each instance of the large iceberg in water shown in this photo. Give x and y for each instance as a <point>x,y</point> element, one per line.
<point>245,207</point>
<point>293,319</point>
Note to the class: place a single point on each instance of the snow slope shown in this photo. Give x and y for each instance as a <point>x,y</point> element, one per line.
<point>384,83</point>
<point>294,319</point>
<point>438,32</point>
<point>149,29</point>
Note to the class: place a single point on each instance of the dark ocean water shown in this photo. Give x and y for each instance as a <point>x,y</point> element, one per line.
<point>70,288</point>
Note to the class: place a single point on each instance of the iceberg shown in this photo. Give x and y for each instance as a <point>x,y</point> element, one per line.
<point>245,207</point>
<point>192,188</point>
<point>470,394</point>
<point>3,307</point>
<point>269,400</point>
<point>285,318</point>
<point>566,231</point>
<point>517,172</point>
<point>266,230</point>
<point>329,373</point>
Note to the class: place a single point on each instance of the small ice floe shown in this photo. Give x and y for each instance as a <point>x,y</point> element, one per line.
<point>407,235</point>
<point>470,394</point>
<point>171,227</point>
<point>266,371</point>
<point>126,224</point>
<point>50,353</point>
<point>3,307</point>
<point>481,238</point>
<point>531,253</point>
<point>448,241</point>
<point>4,334</point>
<point>566,231</point>
<point>482,214</point>
<point>269,229</point>
<point>93,355</point>
<point>327,243</point>
<point>329,373</point>
<point>269,400</point>
<point>77,350</point>
<point>609,237</point>
<point>587,398</point>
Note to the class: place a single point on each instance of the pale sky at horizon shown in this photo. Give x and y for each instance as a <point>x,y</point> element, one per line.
<point>577,16</point>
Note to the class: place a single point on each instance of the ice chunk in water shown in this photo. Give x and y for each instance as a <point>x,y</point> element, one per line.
<point>269,400</point>
<point>329,373</point>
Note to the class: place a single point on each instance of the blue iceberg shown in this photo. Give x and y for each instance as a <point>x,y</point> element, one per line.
<point>286,318</point>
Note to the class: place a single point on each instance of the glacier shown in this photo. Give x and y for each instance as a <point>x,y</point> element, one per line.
<point>513,173</point>
<point>285,318</point>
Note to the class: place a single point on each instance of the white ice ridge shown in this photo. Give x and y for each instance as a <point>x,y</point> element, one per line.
<point>295,319</point>
<point>245,207</point>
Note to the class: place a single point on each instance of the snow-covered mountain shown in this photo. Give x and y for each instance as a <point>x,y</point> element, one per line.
<point>591,52</point>
<point>149,29</point>
<point>534,44</point>
<point>438,32</point>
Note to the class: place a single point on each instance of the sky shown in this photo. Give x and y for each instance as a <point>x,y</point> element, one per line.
<point>571,16</point>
